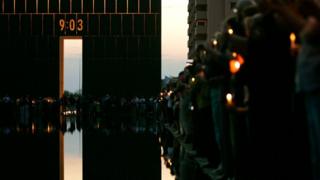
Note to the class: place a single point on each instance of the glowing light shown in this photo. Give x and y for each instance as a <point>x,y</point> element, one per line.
<point>234,66</point>
<point>229,98</point>
<point>192,108</point>
<point>33,128</point>
<point>293,38</point>
<point>235,10</point>
<point>66,113</point>
<point>215,42</point>
<point>292,41</point>
<point>230,31</point>
<point>193,79</point>
<point>237,65</point>
<point>49,129</point>
<point>234,54</point>
<point>240,59</point>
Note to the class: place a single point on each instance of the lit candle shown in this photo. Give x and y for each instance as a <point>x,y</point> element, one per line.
<point>292,41</point>
<point>234,66</point>
<point>229,99</point>
<point>215,42</point>
<point>230,31</point>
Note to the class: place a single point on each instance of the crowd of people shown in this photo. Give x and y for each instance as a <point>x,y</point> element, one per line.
<point>74,112</point>
<point>250,101</point>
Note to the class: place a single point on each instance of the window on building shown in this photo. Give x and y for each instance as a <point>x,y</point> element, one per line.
<point>201,23</point>
<point>202,7</point>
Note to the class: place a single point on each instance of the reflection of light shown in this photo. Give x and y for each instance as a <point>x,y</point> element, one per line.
<point>49,129</point>
<point>229,98</point>
<point>161,94</point>
<point>66,113</point>
<point>33,127</point>
<point>191,108</point>
<point>193,79</point>
<point>169,93</point>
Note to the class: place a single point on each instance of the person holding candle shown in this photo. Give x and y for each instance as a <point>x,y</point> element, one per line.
<point>304,17</point>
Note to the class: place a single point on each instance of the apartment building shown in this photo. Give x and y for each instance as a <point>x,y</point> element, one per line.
<point>205,18</point>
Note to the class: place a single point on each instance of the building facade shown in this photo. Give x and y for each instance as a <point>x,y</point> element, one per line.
<point>121,45</point>
<point>205,18</point>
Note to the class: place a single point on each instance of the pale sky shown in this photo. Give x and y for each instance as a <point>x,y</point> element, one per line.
<point>73,65</point>
<point>174,36</point>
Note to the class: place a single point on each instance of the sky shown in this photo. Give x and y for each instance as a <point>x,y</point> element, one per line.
<point>72,64</point>
<point>174,36</point>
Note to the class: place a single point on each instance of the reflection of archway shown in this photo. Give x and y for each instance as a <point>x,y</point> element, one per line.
<point>63,50</point>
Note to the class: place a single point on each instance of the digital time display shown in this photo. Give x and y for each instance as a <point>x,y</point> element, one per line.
<point>71,25</point>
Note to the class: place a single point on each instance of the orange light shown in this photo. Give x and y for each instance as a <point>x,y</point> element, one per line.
<point>235,64</point>
<point>240,59</point>
<point>293,38</point>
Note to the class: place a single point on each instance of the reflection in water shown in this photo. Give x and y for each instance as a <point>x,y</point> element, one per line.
<point>73,155</point>
<point>165,172</point>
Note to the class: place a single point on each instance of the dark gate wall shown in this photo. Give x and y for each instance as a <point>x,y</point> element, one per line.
<point>121,45</point>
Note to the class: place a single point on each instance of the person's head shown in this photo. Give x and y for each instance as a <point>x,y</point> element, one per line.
<point>241,7</point>
<point>201,53</point>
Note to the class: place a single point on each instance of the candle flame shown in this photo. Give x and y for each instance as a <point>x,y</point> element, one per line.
<point>229,98</point>
<point>230,31</point>
<point>293,38</point>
